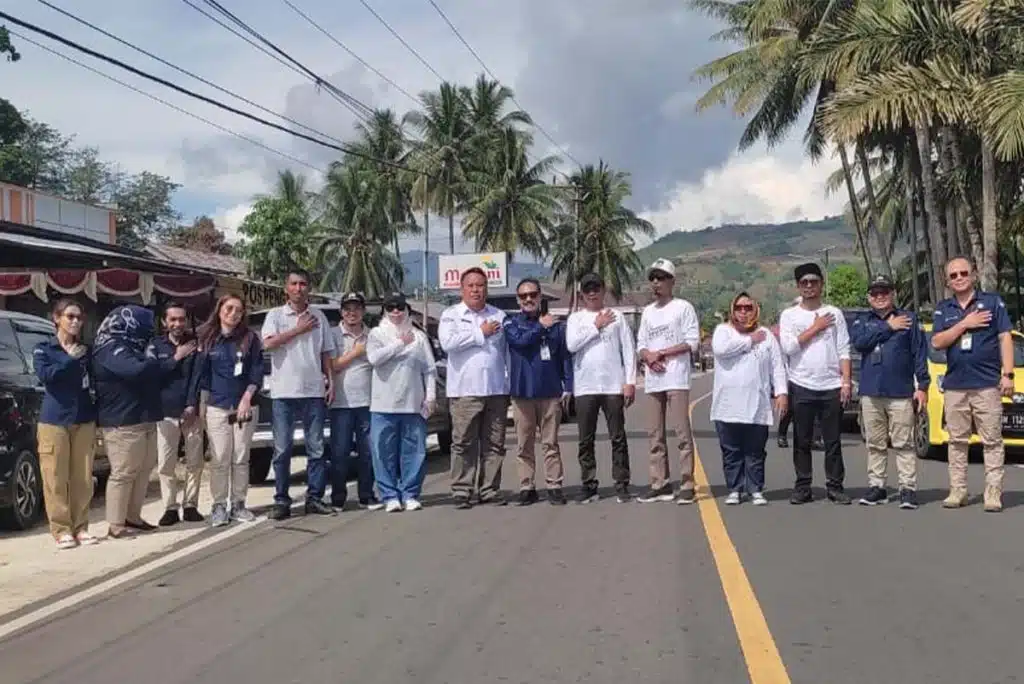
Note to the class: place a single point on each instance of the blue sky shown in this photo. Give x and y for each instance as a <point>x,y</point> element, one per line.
<point>608,79</point>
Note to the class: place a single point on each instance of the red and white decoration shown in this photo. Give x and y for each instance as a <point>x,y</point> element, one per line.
<point>117,282</point>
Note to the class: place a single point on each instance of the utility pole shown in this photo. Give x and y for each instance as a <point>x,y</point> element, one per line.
<point>576,246</point>
<point>426,253</point>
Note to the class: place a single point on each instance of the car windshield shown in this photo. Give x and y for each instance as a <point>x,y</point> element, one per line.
<point>939,355</point>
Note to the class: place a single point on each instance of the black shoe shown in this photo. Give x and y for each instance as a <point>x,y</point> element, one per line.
<point>556,497</point>
<point>318,507</point>
<point>663,495</point>
<point>169,518</point>
<point>838,496</point>
<point>875,496</point>
<point>140,525</point>
<point>783,442</point>
<point>686,496</point>
<point>280,512</point>
<point>801,496</point>
<point>462,503</point>
<point>908,499</point>
<point>494,500</point>
<point>192,514</point>
<point>818,444</point>
<point>527,497</point>
<point>622,493</point>
<point>587,495</point>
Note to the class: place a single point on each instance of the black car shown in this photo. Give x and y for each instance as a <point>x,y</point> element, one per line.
<point>21,395</point>
<point>262,450</point>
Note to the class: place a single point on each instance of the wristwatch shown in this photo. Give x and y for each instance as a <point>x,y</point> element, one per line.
<point>1008,376</point>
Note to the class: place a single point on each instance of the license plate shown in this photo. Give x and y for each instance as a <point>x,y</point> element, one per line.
<point>1013,422</point>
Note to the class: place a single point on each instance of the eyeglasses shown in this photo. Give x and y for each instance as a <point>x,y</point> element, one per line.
<point>533,294</point>
<point>807,282</point>
<point>956,275</point>
<point>746,308</point>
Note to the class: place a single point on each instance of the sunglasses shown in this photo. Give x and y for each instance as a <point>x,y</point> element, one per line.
<point>879,293</point>
<point>658,277</point>
<point>529,295</point>
<point>591,289</point>
<point>746,308</point>
<point>807,282</point>
<point>393,307</point>
<point>956,275</point>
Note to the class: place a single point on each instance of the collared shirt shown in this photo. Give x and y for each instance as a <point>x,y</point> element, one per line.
<point>226,371</point>
<point>67,400</point>
<point>540,365</point>
<point>179,380</point>
<point>890,360</point>
<point>297,367</point>
<point>973,361</point>
<point>603,359</point>
<point>664,326</point>
<point>477,365</point>
<point>125,379</point>
<point>352,383</point>
<point>817,365</point>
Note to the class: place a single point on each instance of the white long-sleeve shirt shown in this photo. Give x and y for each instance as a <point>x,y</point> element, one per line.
<point>666,326</point>
<point>815,366</point>
<point>745,374</point>
<point>477,365</point>
<point>404,375</point>
<point>603,360</point>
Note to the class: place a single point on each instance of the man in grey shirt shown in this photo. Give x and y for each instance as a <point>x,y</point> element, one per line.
<point>301,349</point>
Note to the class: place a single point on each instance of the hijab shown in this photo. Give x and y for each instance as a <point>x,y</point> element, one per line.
<point>129,325</point>
<point>755,321</point>
<point>392,330</point>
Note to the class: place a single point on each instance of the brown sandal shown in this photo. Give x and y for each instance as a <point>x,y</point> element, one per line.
<point>120,533</point>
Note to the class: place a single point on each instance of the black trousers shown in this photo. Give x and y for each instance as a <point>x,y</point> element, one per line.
<point>614,408</point>
<point>807,406</point>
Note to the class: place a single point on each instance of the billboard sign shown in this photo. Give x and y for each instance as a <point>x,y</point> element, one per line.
<point>450,268</point>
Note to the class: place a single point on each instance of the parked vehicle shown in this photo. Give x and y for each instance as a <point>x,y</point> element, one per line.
<point>851,415</point>
<point>262,449</point>
<point>21,396</point>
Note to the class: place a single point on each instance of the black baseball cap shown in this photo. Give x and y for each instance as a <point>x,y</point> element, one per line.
<point>395,300</point>
<point>880,282</point>
<point>590,280</point>
<point>356,297</point>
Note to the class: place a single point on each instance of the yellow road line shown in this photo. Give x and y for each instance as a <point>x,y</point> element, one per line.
<point>764,664</point>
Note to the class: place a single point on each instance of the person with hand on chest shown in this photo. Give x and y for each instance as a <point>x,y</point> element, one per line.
<point>973,328</point>
<point>894,354</point>
<point>540,378</point>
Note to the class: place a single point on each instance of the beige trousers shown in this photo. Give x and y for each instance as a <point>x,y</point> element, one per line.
<point>132,453</point>
<point>888,420</point>
<point>478,444</point>
<point>529,414</point>
<point>65,460</point>
<point>671,409</point>
<point>229,455</point>
<point>169,433</point>
<point>984,409</point>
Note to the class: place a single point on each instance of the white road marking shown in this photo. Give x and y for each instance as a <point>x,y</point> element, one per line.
<point>72,600</point>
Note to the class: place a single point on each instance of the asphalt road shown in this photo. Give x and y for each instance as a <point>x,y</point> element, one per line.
<point>601,593</point>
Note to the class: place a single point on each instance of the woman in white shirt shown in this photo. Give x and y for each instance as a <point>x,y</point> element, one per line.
<point>748,365</point>
<point>402,396</point>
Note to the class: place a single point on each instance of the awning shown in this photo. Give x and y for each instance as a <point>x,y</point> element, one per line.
<point>115,282</point>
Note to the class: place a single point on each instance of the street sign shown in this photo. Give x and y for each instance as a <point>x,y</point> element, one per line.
<point>450,268</point>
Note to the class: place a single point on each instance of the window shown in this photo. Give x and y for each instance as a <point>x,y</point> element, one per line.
<point>29,334</point>
<point>11,362</point>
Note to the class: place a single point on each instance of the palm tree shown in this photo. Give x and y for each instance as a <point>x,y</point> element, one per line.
<point>604,244</point>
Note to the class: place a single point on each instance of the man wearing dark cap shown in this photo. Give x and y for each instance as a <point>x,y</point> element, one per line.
<point>816,343</point>
<point>350,411</point>
<point>894,353</point>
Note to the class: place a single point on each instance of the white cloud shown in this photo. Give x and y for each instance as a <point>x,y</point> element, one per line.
<point>228,220</point>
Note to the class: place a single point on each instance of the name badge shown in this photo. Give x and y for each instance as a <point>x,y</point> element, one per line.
<point>85,381</point>
<point>238,365</point>
<point>545,353</point>
<point>876,355</point>
<point>966,342</point>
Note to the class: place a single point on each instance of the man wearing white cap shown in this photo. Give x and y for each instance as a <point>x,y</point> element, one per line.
<point>669,332</point>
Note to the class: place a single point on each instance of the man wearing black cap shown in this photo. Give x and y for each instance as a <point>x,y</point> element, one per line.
<point>816,343</point>
<point>894,353</point>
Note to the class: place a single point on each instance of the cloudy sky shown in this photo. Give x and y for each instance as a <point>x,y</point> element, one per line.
<point>607,79</point>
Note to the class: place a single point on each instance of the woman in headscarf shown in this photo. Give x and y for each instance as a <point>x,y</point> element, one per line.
<point>748,365</point>
<point>402,396</point>
<point>128,406</point>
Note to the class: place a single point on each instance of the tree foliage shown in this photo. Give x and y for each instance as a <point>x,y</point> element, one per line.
<point>847,287</point>
<point>6,48</point>
<point>275,238</point>
<point>201,236</point>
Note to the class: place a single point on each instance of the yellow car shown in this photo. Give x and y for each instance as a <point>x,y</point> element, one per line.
<point>931,424</point>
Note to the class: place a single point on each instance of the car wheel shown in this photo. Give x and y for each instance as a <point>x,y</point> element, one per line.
<point>259,465</point>
<point>27,492</point>
<point>922,443</point>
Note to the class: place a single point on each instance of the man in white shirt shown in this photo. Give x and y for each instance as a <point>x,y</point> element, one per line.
<point>669,332</point>
<point>301,347</point>
<point>816,343</point>
<point>604,380</point>
<point>477,385</point>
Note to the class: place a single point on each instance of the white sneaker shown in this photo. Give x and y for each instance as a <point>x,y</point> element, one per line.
<point>759,499</point>
<point>733,499</point>
<point>413,505</point>
<point>66,541</point>
<point>393,506</point>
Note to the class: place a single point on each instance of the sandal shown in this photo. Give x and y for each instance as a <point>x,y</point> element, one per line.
<point>120,533</point>
<point>65,542</point>
<point>86,539</point>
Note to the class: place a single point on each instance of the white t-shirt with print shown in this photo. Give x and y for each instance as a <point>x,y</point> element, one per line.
<point>666,326</point>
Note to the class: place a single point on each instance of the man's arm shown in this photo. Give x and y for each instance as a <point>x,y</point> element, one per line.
<point>522,335</point>
<point>691,334</point>
<point>945,336</point>
<point>452,339</point>
<point>843,347</point>
<point>919,348</point>
<point>628,352</point>
<point>869,332</point>
<point>789,338</point>
<point>578,334</point>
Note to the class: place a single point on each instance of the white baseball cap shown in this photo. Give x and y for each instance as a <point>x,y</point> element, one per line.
<point>663,265</point>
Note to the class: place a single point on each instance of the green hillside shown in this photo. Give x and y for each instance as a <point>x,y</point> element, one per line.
<point>715,263</point>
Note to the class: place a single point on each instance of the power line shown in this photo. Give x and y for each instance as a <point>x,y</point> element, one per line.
<point>491,74</point>
<point>349,50</point>
<point>175,107</point>
<point>198,96</point>
<point>402,40</point>
<point>353,104</point>
<point>187,72</point>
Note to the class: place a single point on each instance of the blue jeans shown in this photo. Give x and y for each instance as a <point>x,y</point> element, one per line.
<point>350,428</point>
<point>743,455</point>
<point>399,445</point>
<point>312,412</point>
